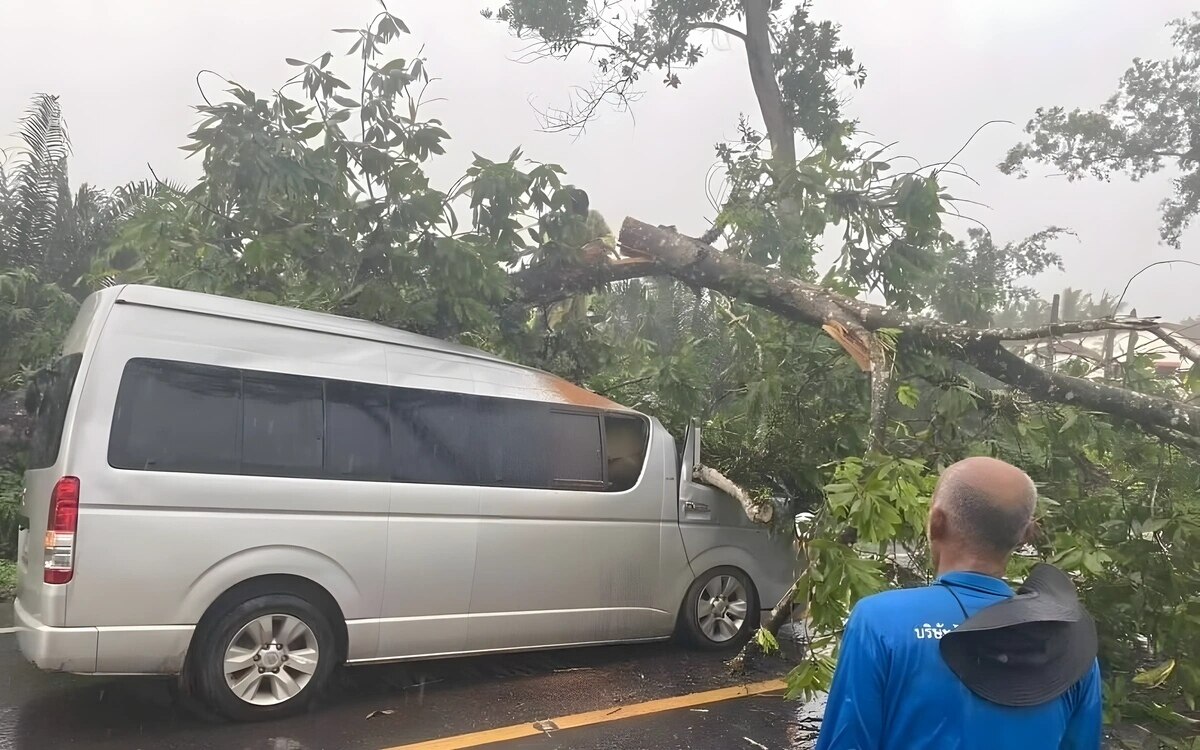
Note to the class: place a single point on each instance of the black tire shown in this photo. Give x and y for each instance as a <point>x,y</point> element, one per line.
<point>696,635</point>
<point>207,660</point>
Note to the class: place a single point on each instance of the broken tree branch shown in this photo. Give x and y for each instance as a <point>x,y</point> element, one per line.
<point>755,511</point>
<point>787,608</point>
<point>1190,351</point>
<point>1070,328</point>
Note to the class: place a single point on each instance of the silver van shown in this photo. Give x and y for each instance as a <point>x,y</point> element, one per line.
<point>250,496</point>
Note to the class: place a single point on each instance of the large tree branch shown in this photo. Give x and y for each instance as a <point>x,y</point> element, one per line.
<point>662,251</point>
<point>1047,385</point>
<point>546,283</point>
<point>766,88</point>
<point>1185,348</point>
<point>755,511</point>
<point>716,27</point>
<point>1070,328</point>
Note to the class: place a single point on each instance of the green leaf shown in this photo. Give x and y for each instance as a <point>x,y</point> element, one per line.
<point>398,64</point>
<point>345,101</point>
<point>1157,676</point>
<point>310,130</point>
<point>294,61</point>
<point>766,641</point>
<point>907,395</point>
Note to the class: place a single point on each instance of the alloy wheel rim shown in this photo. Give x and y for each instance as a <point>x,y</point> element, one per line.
<point>271,659</point>
<point>721,608</point>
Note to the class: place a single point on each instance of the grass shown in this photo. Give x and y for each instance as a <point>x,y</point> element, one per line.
<point>8,579</point>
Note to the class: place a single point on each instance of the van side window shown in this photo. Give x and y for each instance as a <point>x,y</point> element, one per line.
<point>531,444</point>
<point>451,438</point>
<point>435,438</point>
<point>177,416</point>
<point>357,443</point>
<point>173,416</point>
<point>571,449</point>
<point>625,441</point>
<point>283,425</point>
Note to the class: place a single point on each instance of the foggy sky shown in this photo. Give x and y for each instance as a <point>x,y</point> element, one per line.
<point>125,70</point>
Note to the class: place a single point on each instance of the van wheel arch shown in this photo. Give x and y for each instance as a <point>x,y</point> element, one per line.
<point>313,592</point>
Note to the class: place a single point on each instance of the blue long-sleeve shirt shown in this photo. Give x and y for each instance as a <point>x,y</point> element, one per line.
<point>892,691</point>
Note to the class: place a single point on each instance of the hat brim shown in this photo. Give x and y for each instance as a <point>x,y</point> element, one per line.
<point>1023,685</point>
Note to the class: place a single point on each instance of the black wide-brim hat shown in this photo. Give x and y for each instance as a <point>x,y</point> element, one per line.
<point>1026,650</point>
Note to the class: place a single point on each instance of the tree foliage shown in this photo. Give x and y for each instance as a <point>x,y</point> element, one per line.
<point>318,195</point>
<point>628,41</point>
<point>1151,123</point>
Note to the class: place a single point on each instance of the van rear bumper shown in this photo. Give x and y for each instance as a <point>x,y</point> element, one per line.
<point>55,649</point>
<point>146,649</point>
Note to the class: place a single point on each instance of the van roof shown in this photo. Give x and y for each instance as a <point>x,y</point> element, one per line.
<point>308,320</point>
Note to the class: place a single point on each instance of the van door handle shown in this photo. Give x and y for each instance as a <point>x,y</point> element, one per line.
<point>695,507</point>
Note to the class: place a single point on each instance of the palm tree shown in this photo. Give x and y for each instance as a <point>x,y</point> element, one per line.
<point>32,187</point>
<point>49,238</point>
<point>1073,304</point>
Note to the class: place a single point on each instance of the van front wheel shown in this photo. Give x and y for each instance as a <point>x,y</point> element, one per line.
<point>266,658</point>
<point>720,610</point>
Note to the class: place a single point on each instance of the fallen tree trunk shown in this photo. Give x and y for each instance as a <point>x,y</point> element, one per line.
<point>655,250</point>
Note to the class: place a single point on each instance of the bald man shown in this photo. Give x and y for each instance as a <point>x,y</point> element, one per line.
<point>892,690</point>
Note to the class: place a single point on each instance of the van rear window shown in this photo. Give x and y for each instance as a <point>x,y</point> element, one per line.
<point>46,400</point>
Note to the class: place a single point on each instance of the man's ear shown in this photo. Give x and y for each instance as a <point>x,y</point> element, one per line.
<point>939,524</point>
<point>1033,533</point>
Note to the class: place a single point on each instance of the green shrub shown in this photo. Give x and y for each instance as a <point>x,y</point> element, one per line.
<point>10,502</point>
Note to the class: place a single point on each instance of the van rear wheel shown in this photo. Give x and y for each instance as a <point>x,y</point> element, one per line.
<point>720,611</point>
<point>265,658</point>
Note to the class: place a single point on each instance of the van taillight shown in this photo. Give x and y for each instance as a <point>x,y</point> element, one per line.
<point>60,531</point>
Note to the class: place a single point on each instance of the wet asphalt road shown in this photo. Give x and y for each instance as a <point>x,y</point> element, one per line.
<point>759,723</point>
<point>426,701</point>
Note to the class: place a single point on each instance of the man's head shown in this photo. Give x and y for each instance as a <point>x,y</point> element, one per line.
<point>982,510</point>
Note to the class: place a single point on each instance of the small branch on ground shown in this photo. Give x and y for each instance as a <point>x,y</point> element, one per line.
<point>786,608</point>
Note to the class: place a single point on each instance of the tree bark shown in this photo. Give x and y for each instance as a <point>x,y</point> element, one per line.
<point>766,88</point>
<point>785,609</point>
<point>756,512</point>
<point>1186,349</point>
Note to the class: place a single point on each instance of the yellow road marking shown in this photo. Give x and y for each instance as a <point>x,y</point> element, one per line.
<point>574,721</point>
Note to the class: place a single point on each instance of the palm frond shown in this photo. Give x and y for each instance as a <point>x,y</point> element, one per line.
<point>35,184</point>
<point>129,199</point>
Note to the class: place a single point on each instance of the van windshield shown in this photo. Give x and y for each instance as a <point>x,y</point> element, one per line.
<point>46,400</point>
